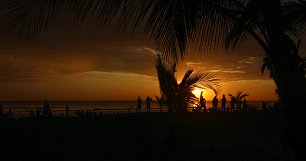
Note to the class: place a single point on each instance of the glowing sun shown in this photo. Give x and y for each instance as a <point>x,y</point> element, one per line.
<point>197,92</point>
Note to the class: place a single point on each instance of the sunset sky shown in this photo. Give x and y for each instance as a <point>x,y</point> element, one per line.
<point>108,65</point>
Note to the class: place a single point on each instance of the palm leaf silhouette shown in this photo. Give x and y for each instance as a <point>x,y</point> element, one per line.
<point>178,97</point>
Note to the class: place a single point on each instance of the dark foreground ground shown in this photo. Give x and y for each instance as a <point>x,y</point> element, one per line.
<point>145,136</point>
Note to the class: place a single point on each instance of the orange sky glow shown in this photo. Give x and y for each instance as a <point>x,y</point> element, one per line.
<point>91,66</point>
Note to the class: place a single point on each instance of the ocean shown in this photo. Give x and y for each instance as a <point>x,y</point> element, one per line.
<point>24,108</point>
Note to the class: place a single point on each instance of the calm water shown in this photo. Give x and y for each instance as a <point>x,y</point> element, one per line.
<point>23,108</point>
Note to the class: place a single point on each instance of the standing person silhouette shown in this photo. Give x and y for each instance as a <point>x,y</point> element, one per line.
<point>46,110</point>
<point>245,105</point>
<point>223,103</point>
<point>202,102</point>
<point>215,104</point>
<point>10,114</point>
<point>139,102</point>
<point>264,106</point>
<point>148,102</point>
<point>67,110</point>
<point>232,103</point>
<point>37,112</point>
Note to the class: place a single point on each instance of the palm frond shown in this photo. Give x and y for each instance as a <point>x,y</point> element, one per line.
<point>239,96</point>
<point>208,80</point>
<point>248,23</point>
<point>242,96</point>
<point>294,14</point>
<point>171,24</point>
<point>186,78</point>
<point>167,81</point>
<point>27,18</point>
<point>161,100</point>
<point>179,96</point>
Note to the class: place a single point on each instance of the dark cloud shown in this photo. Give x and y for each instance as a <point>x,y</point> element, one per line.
<point>240,64</point>
<point>35,59</point>
<point>78,51</point>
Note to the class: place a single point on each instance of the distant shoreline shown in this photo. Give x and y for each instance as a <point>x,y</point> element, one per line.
<point>24,108</point>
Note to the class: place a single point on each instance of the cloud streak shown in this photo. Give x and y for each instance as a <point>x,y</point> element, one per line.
<point>28,63</point>
<point>52,55</point>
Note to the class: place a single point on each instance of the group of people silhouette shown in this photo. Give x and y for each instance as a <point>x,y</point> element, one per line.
<point>234,105</point>
<point>148,104</point>
<point>45,111</point>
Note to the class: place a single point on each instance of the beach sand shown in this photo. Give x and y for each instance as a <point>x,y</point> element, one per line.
<point>145,136</point>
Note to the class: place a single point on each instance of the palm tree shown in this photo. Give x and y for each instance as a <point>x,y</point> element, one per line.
<point>173,25</point>
<point>237,99</point>
<point>178,96</point>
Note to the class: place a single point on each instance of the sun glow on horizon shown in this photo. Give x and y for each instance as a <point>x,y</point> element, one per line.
<point>197,92</point>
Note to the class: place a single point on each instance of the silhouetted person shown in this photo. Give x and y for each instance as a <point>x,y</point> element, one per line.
<point>264,106</point>
<point>67,110</point>
<point>232,103</point>
<point>148,102</point>
<point>10,114</point>
<point>82,113</point>
<point>77,113</point>
<point>223,103</point>
<point>215,103</point>
<point>244,105</point>
<point>88,113</point>
<point>46,110</point>
<point>37,112</point>
<point>1,111</point>
<point>238,103</point>
<point>139,102</point>
<point>202,102</point>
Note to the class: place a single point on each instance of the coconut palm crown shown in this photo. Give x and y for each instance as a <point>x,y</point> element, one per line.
<point>238,98</point>
<point>178,96</point>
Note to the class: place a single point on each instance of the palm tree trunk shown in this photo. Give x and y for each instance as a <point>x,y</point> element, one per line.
<point>289,79</point>
<point>291,91</point>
